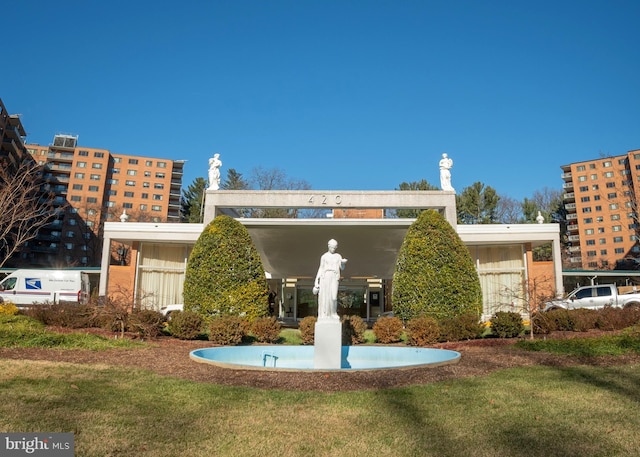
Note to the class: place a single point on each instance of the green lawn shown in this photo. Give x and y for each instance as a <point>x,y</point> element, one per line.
<point>536,411</point>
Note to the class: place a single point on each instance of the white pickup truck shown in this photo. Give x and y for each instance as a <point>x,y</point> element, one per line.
<point>595,297</point>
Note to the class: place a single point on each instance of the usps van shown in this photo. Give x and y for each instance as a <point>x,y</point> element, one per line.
<point>27,287</point>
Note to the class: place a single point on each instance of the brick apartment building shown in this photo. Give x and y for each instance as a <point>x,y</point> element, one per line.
<point>601,198</point>
<point>91,186</point>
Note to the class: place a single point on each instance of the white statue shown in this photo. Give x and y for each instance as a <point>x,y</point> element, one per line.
<point>327,279</point>
<point>445,173</point>
<point>540,218</point>
<point>214,172</point>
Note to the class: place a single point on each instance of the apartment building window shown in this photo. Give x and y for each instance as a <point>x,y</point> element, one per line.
<point>591,253</point>
<point>93,188</point>
<point>76,198</point>
<point>628,204</point>
<point>615,217</point>
<point>617,239</point>
<point>98,155</point>
<point>95,177</point>
<point>632,226</point>
<point>133,161</point>
<point>602,241</point>
<point>115,171</point>
<point>79,175</point>
<point>127,205</point>
<point>145,184</point>
<point>606,164</point>
<point>617,228</point>
<point>598,208</point>
<point>157,197</point>
<point>96,165</point>
<point>91,212</point>
<point>158,186</point>
<point>117,159</point>
<point>596,197</point>
<point>92,200</point>
<point>128,194</point>
<point>588,232</point>
<point>68,246</point>
<point>143,207</point>
<point>162,164</point>
<point>584,188</point>
<point>608,174</point>
<point>81,164</point>
<point>626,182</point>
<point>132,172</point>
<point>83,153</point>
<point>145,196</point>
<point>160,175</point>
<point>595,187</point>
<point>592,166</point>
<point>112,193</point>
<point>600,229</point>
<point>149,163</point>
<point>599,219</point>
<point>77,187</point>
<point>610,185</point>
<point>84,247</point>
<point>619,250</point>
<point>86,236</point>
<point>156,208</point>
<point>594,177</point>
<point>147,174</point>
<point>633,237</point>
<point>581,168</point>
<point>72,222</point>
<point>587,220</point>
<point>70,234</point>
<point>582,178</point>
<point>625,172</point>
<point>613,206</point>
<point>586,209</point>
<point>110,204</point>
<point>622,161</point>
<point>129,183</point>
<point>591,242</point>
<point>112,181</point>
<point>612,195</point>
<point>585,199</point>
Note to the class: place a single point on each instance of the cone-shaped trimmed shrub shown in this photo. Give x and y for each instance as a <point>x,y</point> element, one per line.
<point>435,275</point>
<point>224,273</point>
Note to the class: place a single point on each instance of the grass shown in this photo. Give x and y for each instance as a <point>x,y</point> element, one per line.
<point>590,347</point>
<point>532,411</point>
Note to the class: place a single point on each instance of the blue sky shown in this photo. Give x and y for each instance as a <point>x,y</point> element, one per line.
<point>350,94</point>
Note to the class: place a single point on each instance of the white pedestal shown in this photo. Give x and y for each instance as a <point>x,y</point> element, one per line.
<point>327,352</point>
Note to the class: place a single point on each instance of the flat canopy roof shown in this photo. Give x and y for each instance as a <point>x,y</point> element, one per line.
<point>291,248</point>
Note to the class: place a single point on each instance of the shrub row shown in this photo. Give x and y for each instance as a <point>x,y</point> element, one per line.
<point>582,320</point>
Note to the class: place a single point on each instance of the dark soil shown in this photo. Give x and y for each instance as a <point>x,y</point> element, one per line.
<point>170,357</point>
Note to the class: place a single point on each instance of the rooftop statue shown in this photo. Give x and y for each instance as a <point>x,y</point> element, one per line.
<point>445,173</point>
<point>214,172</point>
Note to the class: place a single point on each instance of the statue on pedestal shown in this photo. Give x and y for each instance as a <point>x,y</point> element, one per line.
<point>214,172</point>
<point>445,173</point>
<point>327,280</point>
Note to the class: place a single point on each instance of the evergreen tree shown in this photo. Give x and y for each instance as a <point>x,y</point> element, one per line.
<point>224,273</point>
<point>477,204</point>
<point>192,201</point>
<point>435,275</point>
<point>234,181</point>
<point>414,185</point>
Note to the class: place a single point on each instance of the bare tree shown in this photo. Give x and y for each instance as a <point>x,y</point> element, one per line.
<point>509,211</point>
<point>25,206</point>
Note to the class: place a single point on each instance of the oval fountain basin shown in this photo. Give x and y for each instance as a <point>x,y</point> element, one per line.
<point>301,357</point>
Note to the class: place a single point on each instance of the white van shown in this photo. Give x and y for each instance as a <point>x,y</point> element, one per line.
<point>26,287</point>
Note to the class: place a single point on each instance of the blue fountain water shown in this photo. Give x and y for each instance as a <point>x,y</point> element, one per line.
<point>301,357</point>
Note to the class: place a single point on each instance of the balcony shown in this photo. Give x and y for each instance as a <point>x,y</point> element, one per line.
<point>574,238</point>
<point>566,176</point>
<point>572,227</point>
<point>575,259</point>
<point>574,249</point>
<point>570,206</point>
<point>570,196</point>
<point>572,216</point>
<point>567,185</point>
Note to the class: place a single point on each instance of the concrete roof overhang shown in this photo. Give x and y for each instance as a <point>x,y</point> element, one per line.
<point>291,248</point>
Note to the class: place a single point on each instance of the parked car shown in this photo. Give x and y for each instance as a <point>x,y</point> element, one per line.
<point>168,309</point>
<point>595,297</point>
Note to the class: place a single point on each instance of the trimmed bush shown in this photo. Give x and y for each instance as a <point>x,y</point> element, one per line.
<point>8,309</point>
<point>186,325</point>
<point>266,329</point>
<point>147,323</point>
<point>435,275</point>
<point>64,315</point>
<point>388,329</point>
<point>228,330</point>
<point>584,319</point>
<point>464,327</point>
<point>353,328</point>
<point>543,323</point>
<point>307,329</point>
<point>422,331</point>
<point>507,324</point>
<point>562,320</point>
<point>224,273</point>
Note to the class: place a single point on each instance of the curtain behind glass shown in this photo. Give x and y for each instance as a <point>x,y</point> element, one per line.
<point>161,274</point>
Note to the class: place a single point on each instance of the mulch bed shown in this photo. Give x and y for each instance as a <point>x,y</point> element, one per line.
<point>170,357</point>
